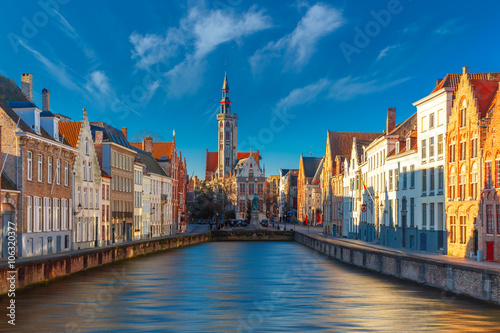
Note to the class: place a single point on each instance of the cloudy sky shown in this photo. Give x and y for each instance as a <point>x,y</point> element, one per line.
<point>295,70</point>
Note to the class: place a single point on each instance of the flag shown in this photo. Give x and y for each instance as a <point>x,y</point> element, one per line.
<point>364,185</point>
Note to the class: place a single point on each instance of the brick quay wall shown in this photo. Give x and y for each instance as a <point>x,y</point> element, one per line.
<point>462,279</point>
<point>36,270</point>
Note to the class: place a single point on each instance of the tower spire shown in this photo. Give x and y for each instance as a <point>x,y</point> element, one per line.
<point>225,103</point>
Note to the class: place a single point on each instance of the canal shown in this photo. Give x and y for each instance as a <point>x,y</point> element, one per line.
<point>246,287</point>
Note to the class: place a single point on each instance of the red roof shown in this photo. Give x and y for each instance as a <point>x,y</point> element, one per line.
<point>245,155</point>
<point>71,131</point>
<point>212,162</point>
<point>160,149</point>
<point>485,92</point>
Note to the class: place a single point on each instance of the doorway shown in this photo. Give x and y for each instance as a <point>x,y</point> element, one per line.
<point>490,251</point>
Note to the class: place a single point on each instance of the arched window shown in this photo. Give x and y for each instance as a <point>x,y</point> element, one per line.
<point>87,146</point>
<point>452,184</point>
<point>474,182</point>
<point>463,182</point>
<point>227,135</point>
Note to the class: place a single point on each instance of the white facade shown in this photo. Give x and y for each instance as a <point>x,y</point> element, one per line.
<point>168,225</point>
<point>155,197</point>
<point>146,206</point>
<point>138,202</point>
<point>86,191</point>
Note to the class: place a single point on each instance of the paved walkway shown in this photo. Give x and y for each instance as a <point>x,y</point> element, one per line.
<point>317,232</point>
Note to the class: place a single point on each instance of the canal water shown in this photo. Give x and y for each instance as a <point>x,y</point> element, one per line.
<point>245,287</point>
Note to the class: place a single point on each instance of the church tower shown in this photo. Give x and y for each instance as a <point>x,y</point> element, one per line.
<point>228,133</point>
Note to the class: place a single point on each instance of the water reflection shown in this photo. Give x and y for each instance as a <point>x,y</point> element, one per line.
<point>250,287</point>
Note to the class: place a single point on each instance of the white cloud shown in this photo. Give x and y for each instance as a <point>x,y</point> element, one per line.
<point>348,88</point>
<point>383,53</point>
<point>299,46</point>
<point>304,95</point>
<point>450,26</point>
<point>198,34</point>
<point>98,83</point>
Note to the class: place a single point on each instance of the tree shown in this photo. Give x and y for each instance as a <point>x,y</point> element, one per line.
<point>204,205</point>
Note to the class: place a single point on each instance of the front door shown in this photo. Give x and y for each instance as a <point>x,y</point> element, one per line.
<point>490,251</point>
<point>6,218</point>
<point>423,242</point>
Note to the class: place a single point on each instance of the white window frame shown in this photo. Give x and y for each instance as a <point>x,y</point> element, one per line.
<point>49,170</point>
<point>58,172</point>
<point>66,173</point>
<point>30,165</point>
<point>30,214</point>
<point>40,168</point>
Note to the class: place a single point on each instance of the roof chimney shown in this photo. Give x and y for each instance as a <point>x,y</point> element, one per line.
<point>391,119</point>
<point>465,69</point>
<point>27,85</point>
<point>438,81</point>
<point>45,99</point>
<point>147,144</point>
<point>98,137</point>
<point>124,131</point>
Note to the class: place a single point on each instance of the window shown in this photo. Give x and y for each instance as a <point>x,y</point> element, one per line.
<point>424,180</point>
<point>396,212</point>
<point>489,219</point>
<point>91,176</point>
<point>404,178</point>
<point>39,214</point>
<point>40,168</point>
<point>91,198</point>
<point>463,151</point>
<point>497,169</point>
<point>390,180</point>
<point>408,144</point>
<point>66,173</point>
<point>474,182</point>
<point>84,170</point>
<point>453,229</point>
<point>58,172</point>
<point>96,199</point>
<point>463,117</point>
<point>462,184</point>
<point>424,151</point>
<point>250,173</point>
<point>79,196</point>
<point>431,147</point>
<point>227,161</point>
<point>441,179</point>
<point>47,218</point>
<point>488,181</point>
<point>396,179</point>
<point>498,219</point>
<point>452,187</point>
<point>431,120</point>
<point>86,146</point>
<point>440,144</point>
<point>30,166</point>
<point>29,214</point>
<point>412,176</point>
<point>431,212</point>
<point>452,153</point>
<point>424,216</point>
<point>49,170</point>
<point>431,180</point>
<point>85,198</point>
<point>473,148</point>
<point>412,212</point>
<point>463,230</point>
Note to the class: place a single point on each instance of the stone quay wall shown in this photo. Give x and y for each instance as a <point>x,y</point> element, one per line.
<point>479,283</point>
<point>42,269</point>
<point>252,235</point>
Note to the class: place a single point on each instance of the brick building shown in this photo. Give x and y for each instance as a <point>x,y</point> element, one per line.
<point>465,140</point>
<point>308,166</point>
<point>37,169</point>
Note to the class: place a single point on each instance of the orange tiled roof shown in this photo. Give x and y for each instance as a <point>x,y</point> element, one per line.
<point>160,149</point>
<point>452,80</point>
<point>71,131</point>
<point>245,155</point>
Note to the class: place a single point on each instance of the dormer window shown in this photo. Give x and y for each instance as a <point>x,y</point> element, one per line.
<point>408,143</point>
<point>37,122</point>
<point>56,129</point>
<point>397,147</point>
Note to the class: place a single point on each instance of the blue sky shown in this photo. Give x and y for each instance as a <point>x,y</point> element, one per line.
<point>295,70</point>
